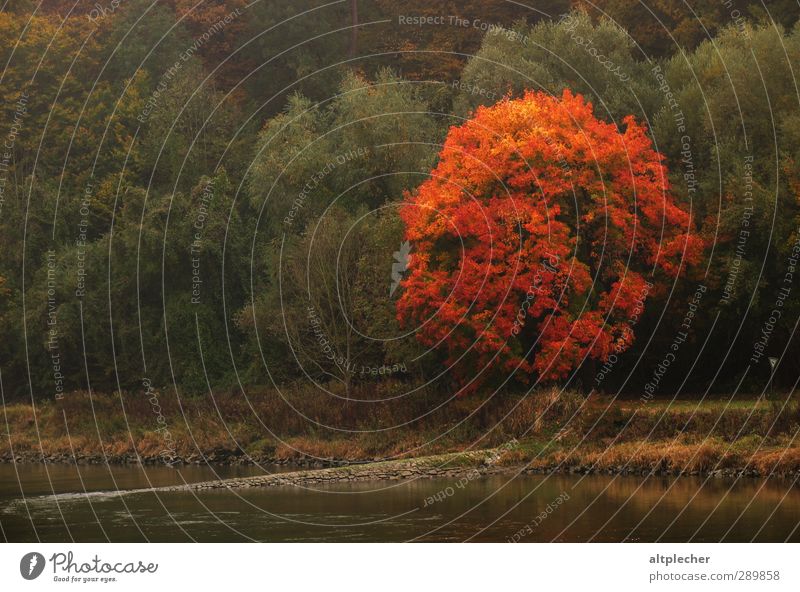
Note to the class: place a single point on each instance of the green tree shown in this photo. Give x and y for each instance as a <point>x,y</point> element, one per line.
<point>734,133</point>
<point>367,144</point>
<point>598,61</point>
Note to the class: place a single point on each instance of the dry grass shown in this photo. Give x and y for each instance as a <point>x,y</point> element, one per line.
<point>686,456</point>
<point>266,424</point>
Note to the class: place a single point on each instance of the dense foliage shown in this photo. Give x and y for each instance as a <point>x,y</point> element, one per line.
<point>212,194</point>
<point>537,237</point>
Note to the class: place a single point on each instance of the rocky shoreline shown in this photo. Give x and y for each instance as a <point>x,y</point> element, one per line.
<point>332,470</point>
<point>216,457</point>
<point>472,464</point>
<point>404,470</point>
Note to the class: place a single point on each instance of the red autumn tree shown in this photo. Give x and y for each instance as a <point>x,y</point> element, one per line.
<point>533,237</point>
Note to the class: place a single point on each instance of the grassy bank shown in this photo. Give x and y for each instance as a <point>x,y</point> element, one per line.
<point>554,430</point>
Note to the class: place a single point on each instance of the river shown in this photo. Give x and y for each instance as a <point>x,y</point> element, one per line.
<point>64,503</point>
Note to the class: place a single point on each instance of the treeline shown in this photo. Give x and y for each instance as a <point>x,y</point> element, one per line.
<point>207,197</point>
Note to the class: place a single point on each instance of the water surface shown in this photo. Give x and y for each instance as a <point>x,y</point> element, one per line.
<point>498,508</point>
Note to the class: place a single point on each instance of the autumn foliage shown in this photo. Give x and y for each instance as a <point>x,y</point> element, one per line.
<point>537,239</point>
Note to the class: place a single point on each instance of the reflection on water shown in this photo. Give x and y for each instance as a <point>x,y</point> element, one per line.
<point>27,480</point>
<point>498,508</point>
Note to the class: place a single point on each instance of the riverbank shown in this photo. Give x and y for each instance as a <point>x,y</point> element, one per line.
<point>466,466</point>
<point>551,432</point>
<point>712,457</point>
